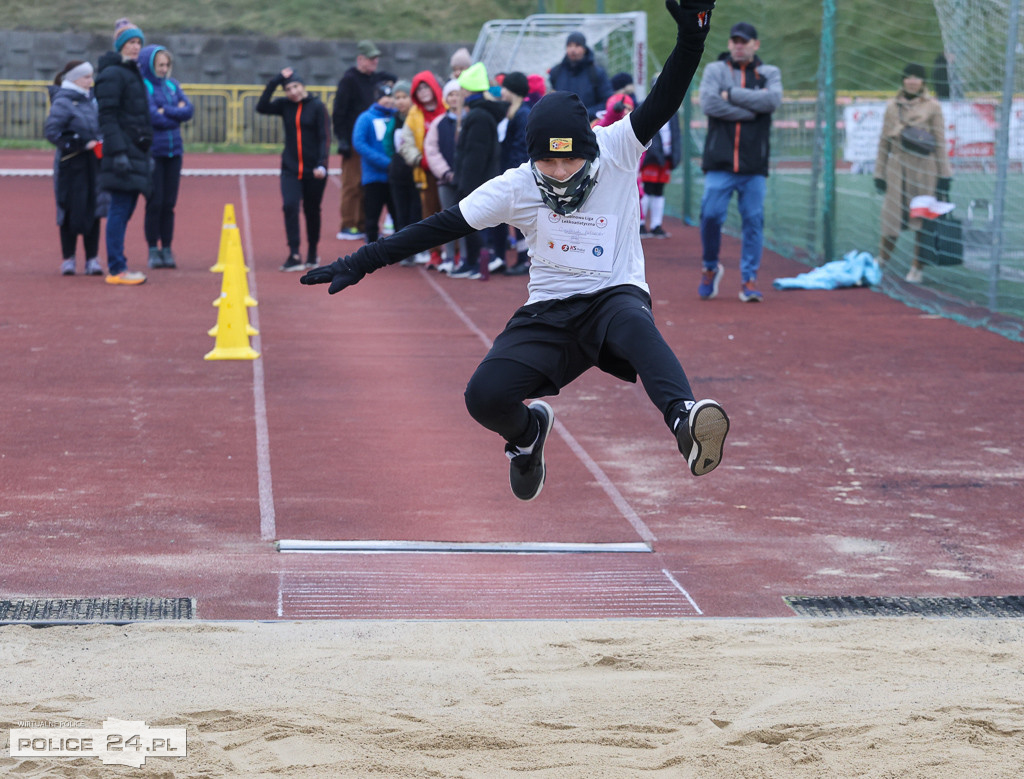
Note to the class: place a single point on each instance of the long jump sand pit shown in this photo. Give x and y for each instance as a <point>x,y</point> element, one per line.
<point>793,697</point>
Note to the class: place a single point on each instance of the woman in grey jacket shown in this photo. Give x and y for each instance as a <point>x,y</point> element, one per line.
<point>73,126</point>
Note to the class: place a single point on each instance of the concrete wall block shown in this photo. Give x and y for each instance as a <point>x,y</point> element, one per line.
<point>218,59</point>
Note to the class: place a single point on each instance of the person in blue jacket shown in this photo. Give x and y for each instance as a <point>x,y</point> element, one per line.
<point>368,140</point>
<point>169,107</point>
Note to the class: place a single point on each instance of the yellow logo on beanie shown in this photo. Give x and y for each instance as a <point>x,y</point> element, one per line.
<point>560,144</point>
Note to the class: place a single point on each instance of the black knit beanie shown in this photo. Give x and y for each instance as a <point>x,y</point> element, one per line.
<point>559,126</point>
<point>913,69</point>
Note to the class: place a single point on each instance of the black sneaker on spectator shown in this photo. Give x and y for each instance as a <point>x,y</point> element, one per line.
<point>293,263</point>
<point>659,232</point>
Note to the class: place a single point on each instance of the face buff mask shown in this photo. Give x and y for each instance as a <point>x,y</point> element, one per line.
<point>565,197</point>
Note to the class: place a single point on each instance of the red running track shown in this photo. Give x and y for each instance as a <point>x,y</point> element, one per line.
<point>873,448</point>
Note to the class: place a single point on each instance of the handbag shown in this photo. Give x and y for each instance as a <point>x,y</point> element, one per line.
<point>918,140</point>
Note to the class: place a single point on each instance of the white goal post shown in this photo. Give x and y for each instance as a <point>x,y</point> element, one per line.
<point>536,43</point>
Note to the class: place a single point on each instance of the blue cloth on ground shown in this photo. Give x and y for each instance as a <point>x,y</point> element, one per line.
<point>856,269</point>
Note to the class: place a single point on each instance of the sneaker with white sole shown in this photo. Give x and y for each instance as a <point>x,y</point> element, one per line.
<point>749,292</point>
<point>527,472</point>
<point>128,278</point>
<point>350,234</point>
<point>465,271</point>
<point>701,436</point>
<point>914,275</point>
<point>709,282</point>
<point>67,267</point>
<point>293,263</point>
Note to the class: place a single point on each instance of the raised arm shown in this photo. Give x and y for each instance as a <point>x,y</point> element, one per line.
<point>693,20</point>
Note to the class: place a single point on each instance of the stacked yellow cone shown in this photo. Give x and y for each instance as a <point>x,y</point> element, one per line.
<point>232,330</point>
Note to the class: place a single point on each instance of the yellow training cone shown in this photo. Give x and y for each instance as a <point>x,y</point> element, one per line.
<point>228,226</point>
<point>232,336</point>
<point>235,277</point>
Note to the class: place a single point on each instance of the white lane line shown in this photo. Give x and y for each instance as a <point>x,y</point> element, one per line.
<point>679,587</point>
<point>602,478</point>
<point>268,519</point>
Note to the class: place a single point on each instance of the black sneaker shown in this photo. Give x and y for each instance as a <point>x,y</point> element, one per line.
<point>659,232</point>
<point>293,263</point>
<point>526,473</point>
<point>701,436</point>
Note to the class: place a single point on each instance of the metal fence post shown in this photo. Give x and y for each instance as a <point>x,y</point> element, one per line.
<point>828,211</point>
<point>688,148</point>
<point>1003,153</point>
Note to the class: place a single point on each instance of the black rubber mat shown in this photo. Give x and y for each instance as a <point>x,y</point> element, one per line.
<point>858,606</point>
<point>95,609</point>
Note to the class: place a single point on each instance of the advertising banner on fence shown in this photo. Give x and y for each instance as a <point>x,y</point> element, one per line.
<point>970,130</point>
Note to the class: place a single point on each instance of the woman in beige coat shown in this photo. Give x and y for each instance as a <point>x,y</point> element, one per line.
<point>905,169</point>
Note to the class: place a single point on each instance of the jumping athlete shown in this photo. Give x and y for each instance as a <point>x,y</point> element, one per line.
<point>589,304</point>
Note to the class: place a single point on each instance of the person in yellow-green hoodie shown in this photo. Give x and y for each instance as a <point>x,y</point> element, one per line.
<point>427,105</point>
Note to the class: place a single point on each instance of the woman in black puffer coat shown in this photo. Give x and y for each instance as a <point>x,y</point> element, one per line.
<point>127,136</point>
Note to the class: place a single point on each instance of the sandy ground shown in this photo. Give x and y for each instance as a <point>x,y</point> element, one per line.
<point>902,697</point>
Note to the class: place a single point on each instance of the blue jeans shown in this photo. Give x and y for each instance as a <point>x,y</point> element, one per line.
<point>718,188</point>
<point>122,206</point>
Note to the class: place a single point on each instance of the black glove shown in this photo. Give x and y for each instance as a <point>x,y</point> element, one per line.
<point>122,166</point>
<point>880,186</point>
<point>692,17</point>
<point>343,272</point>
<point>942,188</point>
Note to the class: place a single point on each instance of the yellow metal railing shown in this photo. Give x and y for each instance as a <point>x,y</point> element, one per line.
<point>224,113</point>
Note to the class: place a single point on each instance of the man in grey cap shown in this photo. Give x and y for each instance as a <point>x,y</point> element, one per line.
<point>354,95</point>
<point>580,74</point>
<point>738,93</point>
